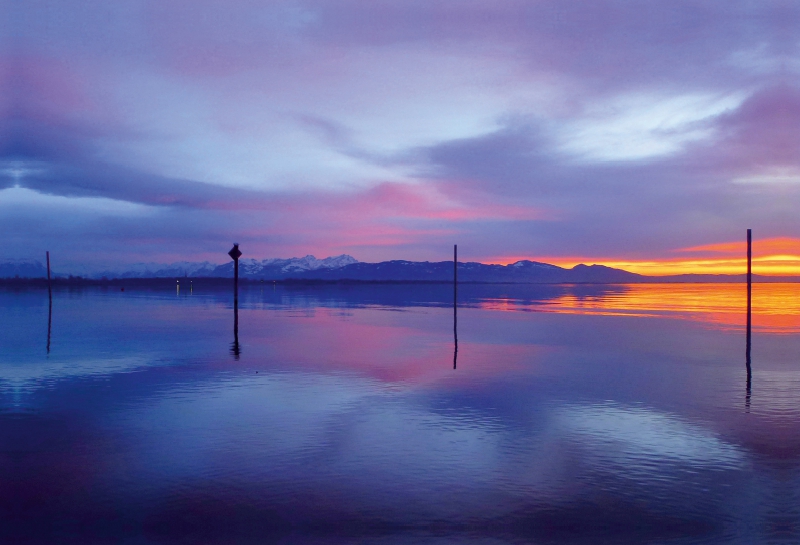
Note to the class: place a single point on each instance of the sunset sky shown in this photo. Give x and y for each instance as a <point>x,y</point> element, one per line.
<point>643,135</point>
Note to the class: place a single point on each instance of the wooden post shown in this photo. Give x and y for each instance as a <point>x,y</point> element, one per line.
<point>749,256</point>
<point>455,273</point>
<point>235,254</point>
<point>49,288</point>
<point>749,288</point>
<point>455,264</point>
<point>455,304</point>
<point>749,317</point>
<point>50,302</point>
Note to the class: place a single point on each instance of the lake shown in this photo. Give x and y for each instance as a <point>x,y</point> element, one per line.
<point>346,414</point>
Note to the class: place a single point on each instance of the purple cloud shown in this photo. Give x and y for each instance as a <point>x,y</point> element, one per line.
<point>392,129</point>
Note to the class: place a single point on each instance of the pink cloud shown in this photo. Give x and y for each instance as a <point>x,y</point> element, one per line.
<point>225,68</point>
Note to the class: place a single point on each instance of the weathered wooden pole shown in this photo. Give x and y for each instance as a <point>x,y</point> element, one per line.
<point>749,289</point>
<point>455,304</point>
<point>49,287</point>
<point>455,264</point>
<point>235,254</point>
<point>749,256</point>
<point>50,302</point>
<point>749,317</point>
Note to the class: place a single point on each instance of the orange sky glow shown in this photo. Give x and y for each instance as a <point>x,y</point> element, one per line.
<point>775,257</point>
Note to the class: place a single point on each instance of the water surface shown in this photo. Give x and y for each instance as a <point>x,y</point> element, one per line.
<point>345,414</point>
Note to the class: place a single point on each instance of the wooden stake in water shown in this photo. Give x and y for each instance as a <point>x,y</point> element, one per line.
<point>749,287</point>
<point>455,304</point>
<point>235,254</point>
<point>50,302</point>
<point>49,287</point>
<point>749,315</point>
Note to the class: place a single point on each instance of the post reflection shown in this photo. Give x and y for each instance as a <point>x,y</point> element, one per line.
<point>49,317</point>
<point>455,333</point>
<point>748,388</point>
<point>49,301</point>
<point>236,349</point>
<point>747,360</point>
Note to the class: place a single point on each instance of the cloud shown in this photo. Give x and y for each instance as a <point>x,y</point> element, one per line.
<point>388,130</point>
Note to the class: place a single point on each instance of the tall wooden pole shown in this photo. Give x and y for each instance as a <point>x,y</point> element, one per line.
<point>749,317</point>
<point>48,271</point>
<point>50,302</point>
<point>749,288</point>
<point>455,304</point>
<point>749,256</point>
<point>235,254</point>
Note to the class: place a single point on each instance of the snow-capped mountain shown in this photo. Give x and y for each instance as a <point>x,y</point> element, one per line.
<point>282,268</point>
<point>154,270</point>
<point>345,267</point>
<point>248,268</point>
<point>22,268</point>
<point>308,263</point>
<point>442,271</point>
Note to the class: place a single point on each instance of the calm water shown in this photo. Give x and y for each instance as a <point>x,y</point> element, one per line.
<point>617,414</point>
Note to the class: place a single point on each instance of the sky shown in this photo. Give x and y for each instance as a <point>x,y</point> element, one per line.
<point>644,135</point>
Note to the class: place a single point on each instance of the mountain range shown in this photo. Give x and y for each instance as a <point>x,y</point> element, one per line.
<point>442,271</point>
<point>272,269</point>
<point>345,267</point>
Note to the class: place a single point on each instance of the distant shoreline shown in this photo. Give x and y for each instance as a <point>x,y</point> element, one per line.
<point>302,271</point>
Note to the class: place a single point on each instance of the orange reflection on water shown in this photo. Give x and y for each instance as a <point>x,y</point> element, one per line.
<point>775,307</point>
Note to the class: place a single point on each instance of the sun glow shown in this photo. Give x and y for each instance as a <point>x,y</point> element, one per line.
<point>771,257</point>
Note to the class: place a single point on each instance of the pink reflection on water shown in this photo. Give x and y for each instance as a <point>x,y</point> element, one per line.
<point>389,346</point>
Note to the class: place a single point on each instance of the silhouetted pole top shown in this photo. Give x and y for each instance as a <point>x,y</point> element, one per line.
<point>235,253</point>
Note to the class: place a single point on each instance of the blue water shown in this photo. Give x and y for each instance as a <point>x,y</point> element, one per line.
<point>614,414</point>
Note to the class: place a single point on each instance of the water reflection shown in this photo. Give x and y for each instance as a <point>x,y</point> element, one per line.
<point>455,323</point>
<point>559,427</point>
<point>49,315</point>
<point>748,387</point>
<point>776,306</point>
<point>236,349</point>
<point>748,342</point>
